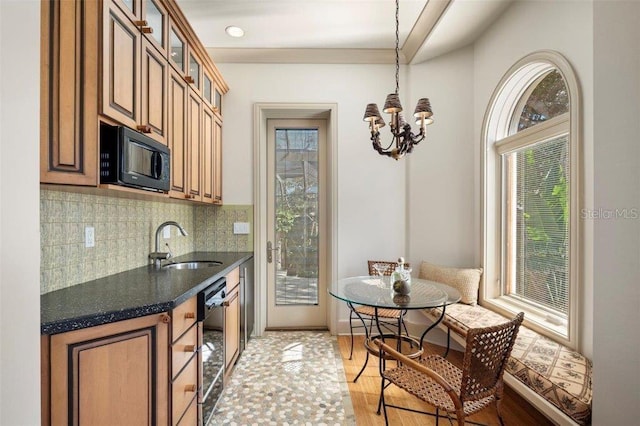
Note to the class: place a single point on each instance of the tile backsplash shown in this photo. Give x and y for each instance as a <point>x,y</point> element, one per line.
<point>125,233</point>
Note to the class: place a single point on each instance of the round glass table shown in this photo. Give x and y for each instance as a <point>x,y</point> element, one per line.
<point>377,293</point>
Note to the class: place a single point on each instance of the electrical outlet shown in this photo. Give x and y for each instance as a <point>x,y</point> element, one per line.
<point>89,236</point>
<point>241,227</point>
<point>166,232</point>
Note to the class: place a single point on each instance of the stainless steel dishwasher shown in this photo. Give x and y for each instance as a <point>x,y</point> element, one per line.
<point>211,313</point>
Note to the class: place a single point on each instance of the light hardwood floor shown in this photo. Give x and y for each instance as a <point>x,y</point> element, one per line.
<point>365,393</point>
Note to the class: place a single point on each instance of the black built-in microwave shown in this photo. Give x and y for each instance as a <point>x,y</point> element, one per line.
<point>131,158</point>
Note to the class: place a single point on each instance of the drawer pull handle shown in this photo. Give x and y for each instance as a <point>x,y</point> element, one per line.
<point>189,348</point>
<point>140,23</point>
<point>147,30</point>
<point>228,302</point>
<point>189,79</point>
<point>190,388</point>
<point>189,315</point>
<point>144,128</point>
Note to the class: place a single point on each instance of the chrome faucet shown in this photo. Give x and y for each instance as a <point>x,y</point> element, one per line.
<point>157,256</point>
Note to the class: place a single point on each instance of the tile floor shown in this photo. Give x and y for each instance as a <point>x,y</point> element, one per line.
<point>287,378</point>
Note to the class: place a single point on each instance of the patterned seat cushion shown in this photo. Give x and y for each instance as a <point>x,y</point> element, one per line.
<point>558,374</point>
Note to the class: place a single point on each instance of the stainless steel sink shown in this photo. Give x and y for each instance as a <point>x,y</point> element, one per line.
<point>197,264</point>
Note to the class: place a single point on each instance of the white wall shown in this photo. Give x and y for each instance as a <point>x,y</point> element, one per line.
<point>19,213</point>
<point>443,172</point>
<point>370,188</point>
<point>371,197</point>
<point>566,27</point>
<point>616,354</point>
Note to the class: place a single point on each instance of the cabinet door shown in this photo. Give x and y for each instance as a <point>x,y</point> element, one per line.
<point>184,390</point>
<point>154,24</point>
<point>121,67</point>
<point>194,147</point>
<point>217,100</point>
<point>177,49</point>
<point>194,72</point>
<point>111,374</point>
<point>69,98</point>
<point>217,161</point>
<point>154,93</point>
<point>231,329</point>
<point>177,134</point>
<point>208,172</point>
<point>131,8</point>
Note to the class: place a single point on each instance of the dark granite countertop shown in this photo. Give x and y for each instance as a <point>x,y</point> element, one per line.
<point>130,294</point>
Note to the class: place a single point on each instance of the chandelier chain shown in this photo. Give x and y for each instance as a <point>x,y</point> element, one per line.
<point>397,46</point>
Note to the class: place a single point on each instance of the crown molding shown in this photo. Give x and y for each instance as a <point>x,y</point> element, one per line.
<point>423,27</point>
<point>304,56</point>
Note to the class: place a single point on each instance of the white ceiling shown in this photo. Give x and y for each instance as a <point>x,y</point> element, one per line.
<point>337,31</point>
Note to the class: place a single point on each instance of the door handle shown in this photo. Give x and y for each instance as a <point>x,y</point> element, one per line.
<point>270,249</point>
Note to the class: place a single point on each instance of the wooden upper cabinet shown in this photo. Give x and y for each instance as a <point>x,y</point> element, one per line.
<point>177,111</point>
<point>194,72</point>
<point>120,67</point>
<point>134,84</point>
<point>207,89</point>
<point>194,147</point>
<point>217,100</point>
<point>155,24</point>
<point>154,93</point>
<point>217,161</point>
<point>131,8</point>
<point>134,63</point>
<point>68,94</point>
<point>208,150</point>
<point>177,53</point>
<point>150,17</point>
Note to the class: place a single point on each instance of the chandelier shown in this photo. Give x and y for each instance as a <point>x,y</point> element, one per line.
<point>403,139</point>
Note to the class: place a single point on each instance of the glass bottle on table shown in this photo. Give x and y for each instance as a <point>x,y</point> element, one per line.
<point>401,278</point>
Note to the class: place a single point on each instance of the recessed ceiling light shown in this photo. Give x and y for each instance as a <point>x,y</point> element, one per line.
<point>234,31</point>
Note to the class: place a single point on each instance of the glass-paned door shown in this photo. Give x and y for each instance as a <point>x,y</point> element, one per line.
<point>296,288</point>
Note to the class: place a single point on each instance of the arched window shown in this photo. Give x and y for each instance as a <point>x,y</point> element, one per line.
<point>530,195</point>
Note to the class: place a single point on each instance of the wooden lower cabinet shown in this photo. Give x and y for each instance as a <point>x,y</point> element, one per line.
<point>184,389</point>
<point>185,363</point>
<point>190,417</point>
<point>232,322</point>
<point>142,371</point>
<point>111,374</point>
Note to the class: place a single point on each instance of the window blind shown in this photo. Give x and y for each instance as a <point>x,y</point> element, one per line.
<point>537,223</point>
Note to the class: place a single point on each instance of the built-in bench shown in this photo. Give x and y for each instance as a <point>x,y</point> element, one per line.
<point>552,377</point>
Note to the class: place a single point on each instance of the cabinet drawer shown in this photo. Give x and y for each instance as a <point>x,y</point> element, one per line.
<point>190,417</point>
<point>183,350</point>
<point>184,316</point>
<point>184,389</point>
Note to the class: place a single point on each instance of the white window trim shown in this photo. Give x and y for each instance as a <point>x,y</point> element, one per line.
<point>496,127</point>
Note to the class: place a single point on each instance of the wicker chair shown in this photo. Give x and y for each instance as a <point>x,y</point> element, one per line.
<point>367,314</point>
<point>462,392</point>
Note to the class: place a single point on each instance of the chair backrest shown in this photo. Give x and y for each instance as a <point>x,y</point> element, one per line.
<point>485,357</point>
<point>391,266</point>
